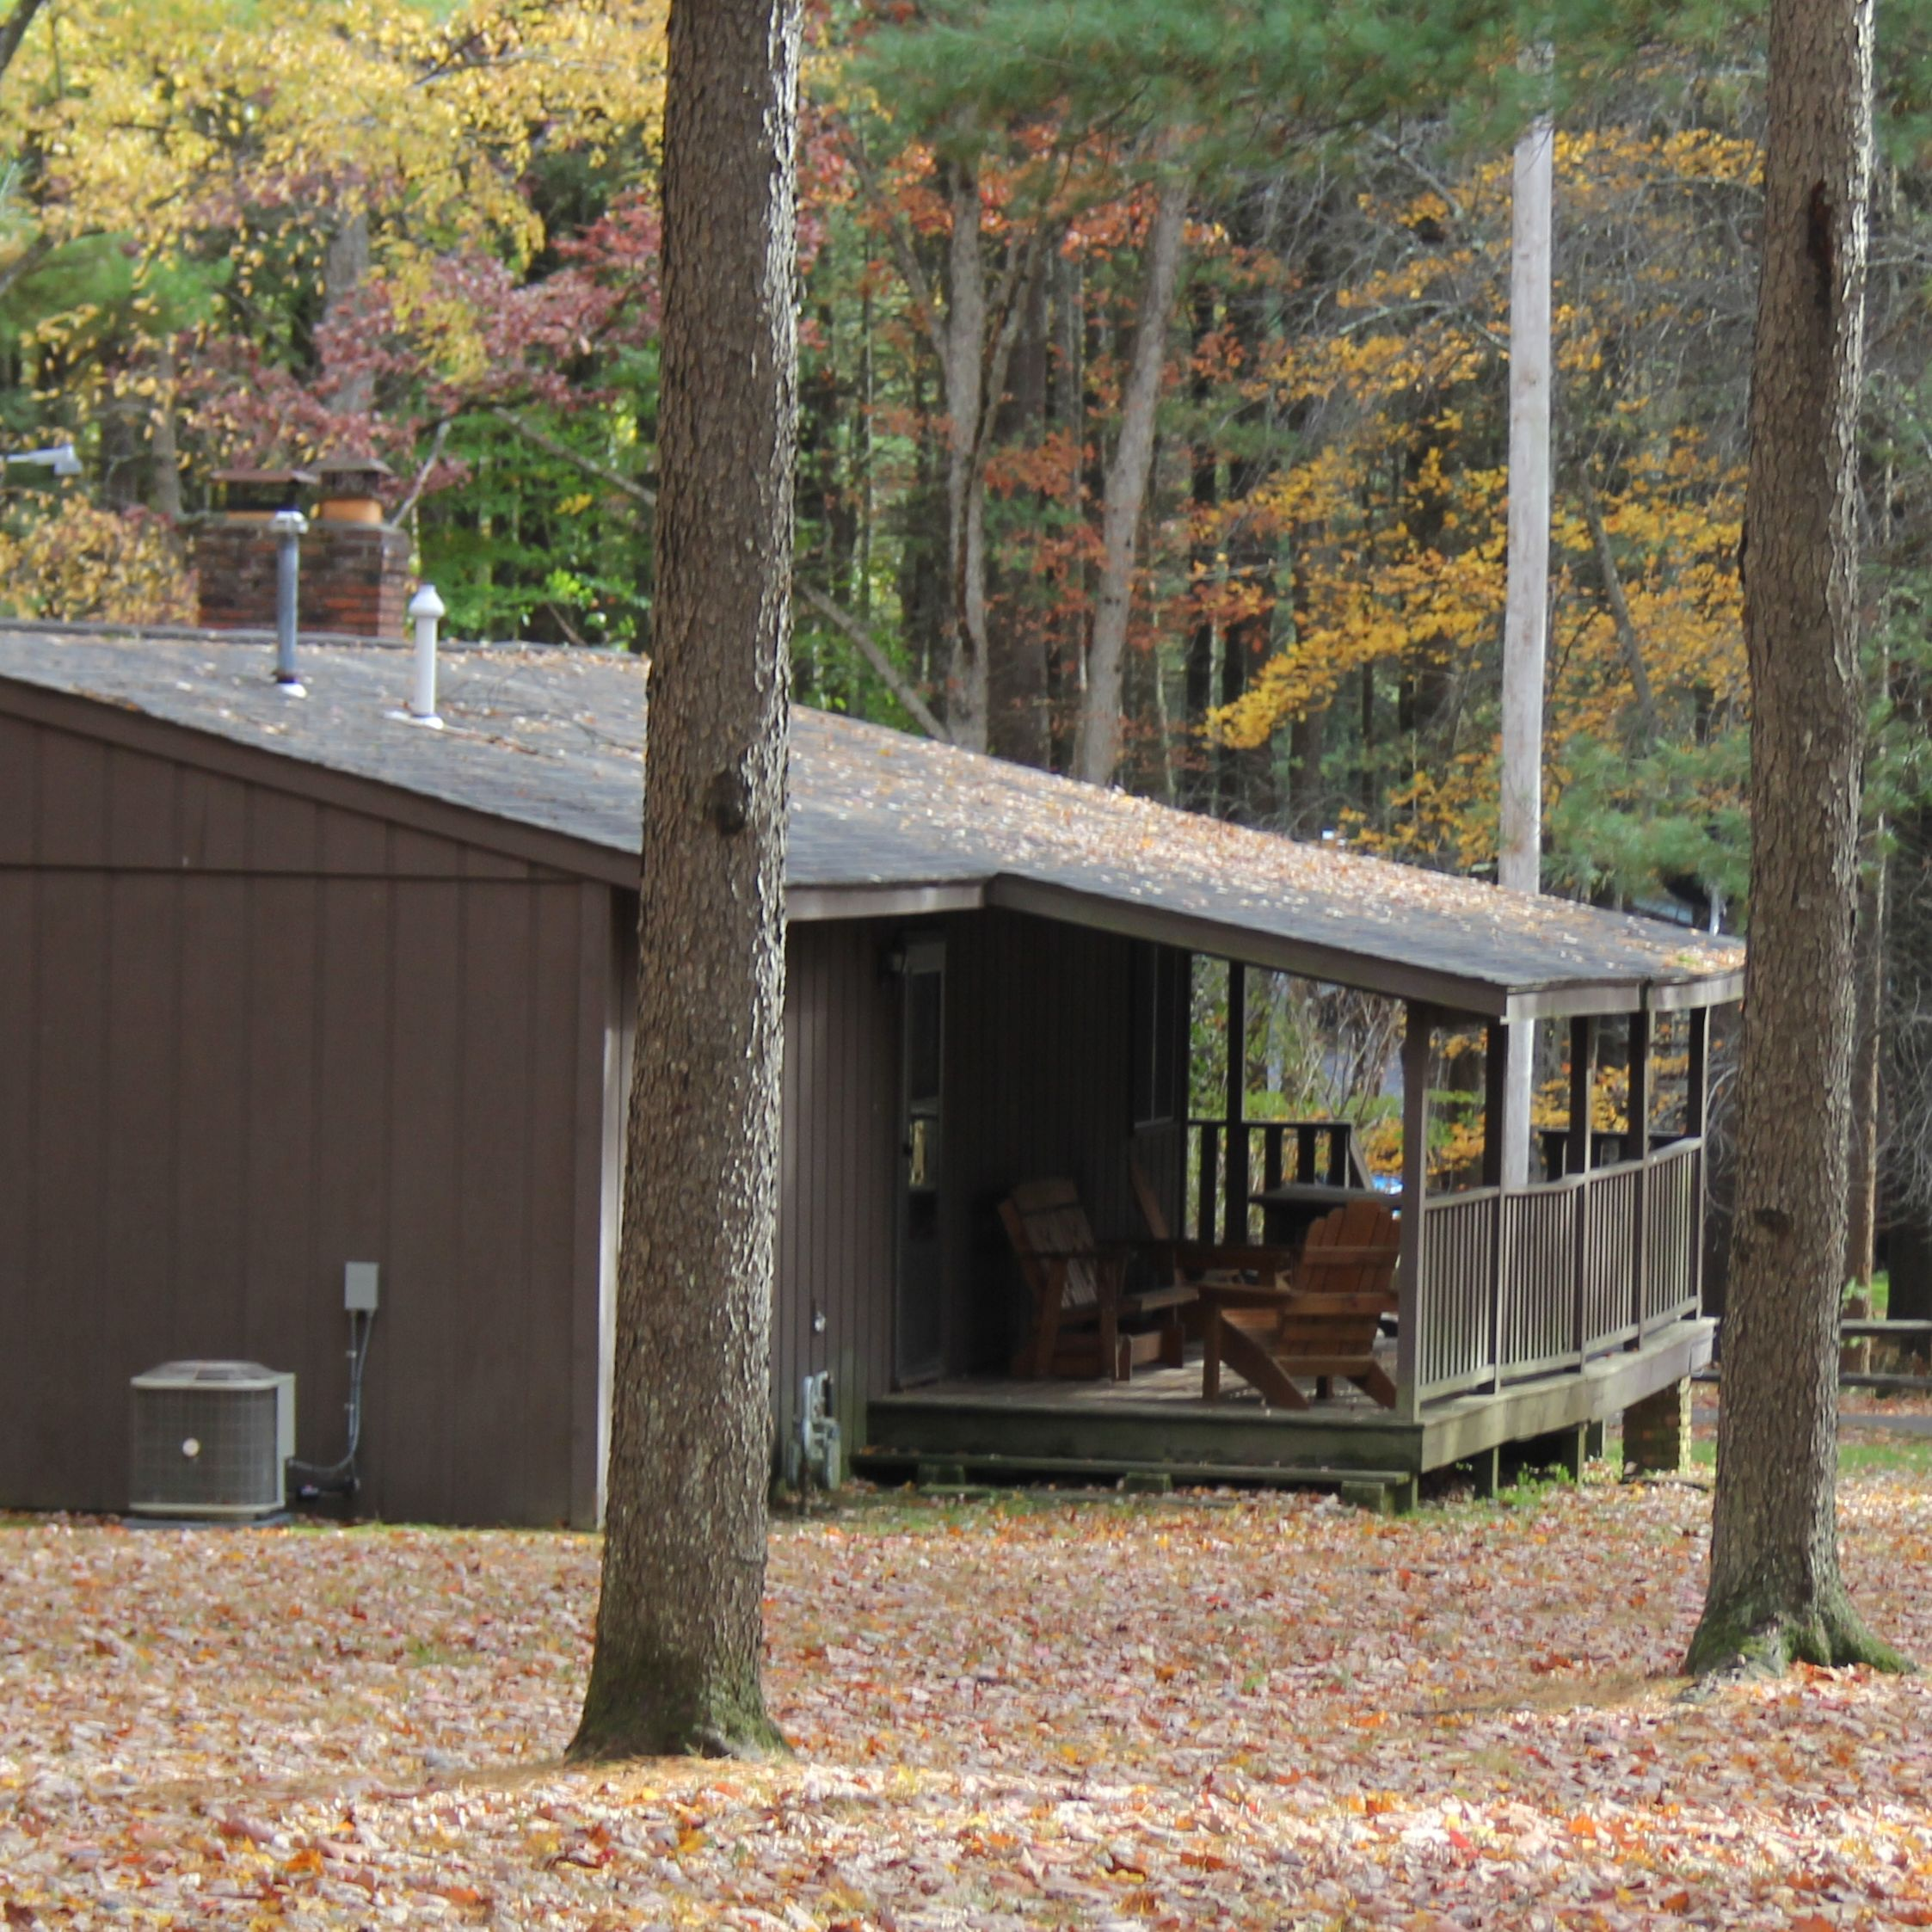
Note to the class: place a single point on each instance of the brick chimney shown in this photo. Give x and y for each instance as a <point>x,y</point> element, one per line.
<point>355,568</point>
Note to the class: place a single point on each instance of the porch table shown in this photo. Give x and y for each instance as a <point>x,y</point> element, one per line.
<point>1288,1211</point>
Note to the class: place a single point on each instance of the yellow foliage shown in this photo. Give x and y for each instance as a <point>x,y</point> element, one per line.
<point>80,564</point>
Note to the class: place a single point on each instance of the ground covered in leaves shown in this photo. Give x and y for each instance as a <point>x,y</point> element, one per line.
<point>1257,1711</point>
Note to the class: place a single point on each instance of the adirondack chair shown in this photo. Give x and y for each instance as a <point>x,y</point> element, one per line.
<point>1322,1325</point>
<point>1196,1262</point>
<point>1085,1320</point>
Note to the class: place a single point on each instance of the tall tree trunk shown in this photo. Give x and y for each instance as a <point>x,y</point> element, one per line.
<point>1197,788</point>
<point>961,370</point>
<point>679,1628</point>
<point>344,264</point>
<point>1861,1193</point>
<point>1017,724</point>
<point>1097,752</point>
<point>165,461</point>
<point>1775,1592</point>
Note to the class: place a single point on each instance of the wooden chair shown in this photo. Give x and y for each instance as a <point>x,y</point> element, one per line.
<point>1196,1262</point>
<point>1322,1324</point>
<point>1085,1321</point>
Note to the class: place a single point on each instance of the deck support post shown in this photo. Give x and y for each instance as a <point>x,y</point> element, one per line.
<point>1234,1202</point>
<point>1486,1470</point>
<point>1418,1029</point>
<point>1637,1137</point>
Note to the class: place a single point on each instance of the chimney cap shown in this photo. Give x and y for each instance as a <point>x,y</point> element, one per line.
<point>427,603</point>
<point>332,468</point>
<point>243,475</point>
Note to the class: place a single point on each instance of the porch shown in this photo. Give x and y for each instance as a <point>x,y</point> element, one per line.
<point>1000,1428</point>
<point>1529,1313</point>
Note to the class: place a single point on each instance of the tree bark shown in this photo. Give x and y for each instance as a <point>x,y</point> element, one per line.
<point>1097,754</point>
<point>679,1631</point>
<point>1861,1192</point>
<point>1775,1592</point>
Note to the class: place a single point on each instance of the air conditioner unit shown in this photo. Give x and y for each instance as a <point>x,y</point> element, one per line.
<point>210,1439</point>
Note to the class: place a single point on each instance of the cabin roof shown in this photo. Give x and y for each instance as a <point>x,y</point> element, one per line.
<point>550,742</point>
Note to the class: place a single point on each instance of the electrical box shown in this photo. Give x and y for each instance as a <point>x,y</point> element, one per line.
<point>358,1287</point>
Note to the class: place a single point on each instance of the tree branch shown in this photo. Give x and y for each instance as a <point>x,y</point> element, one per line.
<point>15,31</point>
<point>869,649</point>
<point>1620,608</point>
<point>893,679</point>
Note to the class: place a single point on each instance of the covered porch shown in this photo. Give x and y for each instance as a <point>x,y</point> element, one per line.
<point>1547,1287</point>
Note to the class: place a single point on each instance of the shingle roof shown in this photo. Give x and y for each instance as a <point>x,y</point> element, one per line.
<point>552,740</point>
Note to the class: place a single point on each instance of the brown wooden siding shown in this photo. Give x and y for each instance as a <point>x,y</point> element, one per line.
<point>245,1038</point>
<point>837,1174</point>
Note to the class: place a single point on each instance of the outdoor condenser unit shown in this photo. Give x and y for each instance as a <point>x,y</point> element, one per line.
<point>210,1439</point>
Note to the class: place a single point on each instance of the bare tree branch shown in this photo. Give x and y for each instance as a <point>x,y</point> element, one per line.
<point>889,674</point>
<point>429,462</point>
<point>14,30</point>
<point>869,649</point>
<point>1620,607</point>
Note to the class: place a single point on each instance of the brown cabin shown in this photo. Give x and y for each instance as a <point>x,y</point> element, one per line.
<point>290,983</point>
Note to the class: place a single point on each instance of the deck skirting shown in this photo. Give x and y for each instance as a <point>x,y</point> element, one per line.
<point>1008,1427</point>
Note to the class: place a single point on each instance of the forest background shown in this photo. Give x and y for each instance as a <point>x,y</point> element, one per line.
<point>1154,386</point>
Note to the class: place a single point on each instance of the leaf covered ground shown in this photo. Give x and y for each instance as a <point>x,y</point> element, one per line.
<point>1258,1711</point>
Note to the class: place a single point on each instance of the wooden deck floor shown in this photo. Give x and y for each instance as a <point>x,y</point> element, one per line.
<point>999,1425</point>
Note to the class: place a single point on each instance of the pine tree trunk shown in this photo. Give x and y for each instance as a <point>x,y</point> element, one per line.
<point>679,1629</point>
<point>1774,1591</point>
<point>1097,752</point>
<point>963,372</point>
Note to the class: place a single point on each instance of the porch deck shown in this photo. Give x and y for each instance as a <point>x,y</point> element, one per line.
<point>1000,1426</point>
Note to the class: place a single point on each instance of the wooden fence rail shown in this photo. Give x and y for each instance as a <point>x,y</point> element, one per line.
<point>1533,1281</point>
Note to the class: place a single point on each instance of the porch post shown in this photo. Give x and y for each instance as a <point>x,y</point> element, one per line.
<point>1234,1205</point>
<point>1497,1122</point>
<point>1696,1102</point>
<point>1582,1081</point>
<point>1498,1040</point>
<point>1415,1180</point>
<point>1637,1133</point>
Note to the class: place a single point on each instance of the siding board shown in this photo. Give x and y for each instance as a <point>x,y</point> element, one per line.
<point>20,791</point>
<point>415,1423</point>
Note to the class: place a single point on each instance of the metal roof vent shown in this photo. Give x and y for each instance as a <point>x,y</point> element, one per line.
<point>210,1439</point>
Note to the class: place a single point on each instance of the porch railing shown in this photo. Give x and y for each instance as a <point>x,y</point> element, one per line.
<point>1533,1281</point>
<point>1228,1161</point>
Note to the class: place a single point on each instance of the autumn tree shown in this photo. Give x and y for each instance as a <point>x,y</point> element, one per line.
<point>679,1625</point>
<point>1775,1593</point>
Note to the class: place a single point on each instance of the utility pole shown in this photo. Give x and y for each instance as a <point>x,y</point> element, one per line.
<point>1526,613</point>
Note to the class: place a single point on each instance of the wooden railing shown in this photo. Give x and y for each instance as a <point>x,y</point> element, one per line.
<point>1226,1164</point>
<point>1536,1280</point>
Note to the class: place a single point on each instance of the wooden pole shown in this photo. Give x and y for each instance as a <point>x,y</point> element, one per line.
<point>1638,1137</point>
<point>1582,1081</point>
<point>1415,1184</point>
<point>1234,1204</point>
<point>1526,608</point>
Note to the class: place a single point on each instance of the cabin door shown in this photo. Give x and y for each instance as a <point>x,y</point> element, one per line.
<point>919,1346</point>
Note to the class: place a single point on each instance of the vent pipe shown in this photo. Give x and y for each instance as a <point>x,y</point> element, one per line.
<point>426,607</point>
<point>289,526</point>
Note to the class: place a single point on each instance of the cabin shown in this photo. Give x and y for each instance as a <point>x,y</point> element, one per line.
<point>291,983</point>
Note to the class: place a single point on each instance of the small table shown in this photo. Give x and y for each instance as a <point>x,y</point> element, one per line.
<point>1288,1211</point>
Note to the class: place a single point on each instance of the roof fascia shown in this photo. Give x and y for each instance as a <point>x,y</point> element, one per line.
<point>807,903</point>
<point>1451,994</point>
<point>279,770</point>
